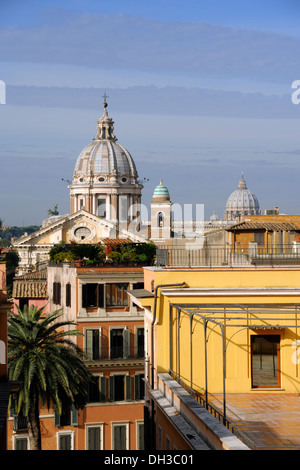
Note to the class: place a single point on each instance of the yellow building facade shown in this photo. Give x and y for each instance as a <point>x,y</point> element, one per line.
<point>224,332</point>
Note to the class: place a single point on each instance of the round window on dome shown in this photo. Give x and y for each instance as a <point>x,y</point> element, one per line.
<point>124,180</point>
<point>80,180</point>
<point>101,179</point>
<point>82,233</point>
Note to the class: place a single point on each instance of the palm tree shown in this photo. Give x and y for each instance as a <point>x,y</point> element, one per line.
<point>48,364</point>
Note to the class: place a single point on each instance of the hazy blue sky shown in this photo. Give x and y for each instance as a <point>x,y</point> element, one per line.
<point>200,91</point>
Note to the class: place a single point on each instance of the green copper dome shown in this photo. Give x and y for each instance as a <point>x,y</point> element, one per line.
<point>161,190</point>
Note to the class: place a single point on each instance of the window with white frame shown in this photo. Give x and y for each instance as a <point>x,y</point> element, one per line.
<point>140,439</point>
<point>92,295</point>
<point>119,387</point>
<point>97,389</point>
<point>140,342</point>
<point>94,437</point>
<point>120,436</point>
<point>119,343</point>
<point>21,442</point>
<point>139,386</point>
<point>65,440</point>
<point>92,343</point>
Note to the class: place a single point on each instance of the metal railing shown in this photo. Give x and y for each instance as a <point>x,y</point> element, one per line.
<point>209,256</point>
<point>214,411</point>
<point>111,353</point>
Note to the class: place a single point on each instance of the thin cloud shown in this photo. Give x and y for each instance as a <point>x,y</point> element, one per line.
<point>131,42</point>
<point>164,100</point>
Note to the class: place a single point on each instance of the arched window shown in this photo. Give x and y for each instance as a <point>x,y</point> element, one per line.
<point>160,219</point>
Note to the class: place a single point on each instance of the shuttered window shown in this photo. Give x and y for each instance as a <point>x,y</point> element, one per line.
<point>56,293</point>
<point>65,441</point>
<point>94,438</point>
<point>116,295</point>
<point>68,295</point>
<point>120,437</point>
<point>119,343</point>
<point>21,443</point>
<point>120,387</point>
<point>92,343</point>
<point>92,295</point>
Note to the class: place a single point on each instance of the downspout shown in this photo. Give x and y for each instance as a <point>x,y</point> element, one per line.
<point>153,322</point>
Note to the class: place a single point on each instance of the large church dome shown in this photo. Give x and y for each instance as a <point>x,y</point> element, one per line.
<point>241,202</point>
<point>105,179</point>
<point>105,160</point>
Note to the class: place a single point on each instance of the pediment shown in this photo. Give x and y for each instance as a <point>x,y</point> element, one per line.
<point>80,226</point>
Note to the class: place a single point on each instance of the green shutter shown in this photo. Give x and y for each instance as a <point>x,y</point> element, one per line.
<point>127,388</point>
<point>89,344</point>
<point>74,415</point>
<point>56,420</point>
<point>111,388</point>
<point>102,389</point>
<point>126,343</point>
<point>136,387</point>
<point>94,436</point>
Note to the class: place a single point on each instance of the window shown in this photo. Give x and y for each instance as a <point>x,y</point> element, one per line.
<point>116,295</point>
<point>140,437</point>
<point>82,233</point>
<point>265,360</point>
<point>119,387</point>
<point>119,343</point>
<point>259,238</point>
<point>159,446</point>
<point>68,295</point>
<point>68,417</point>
<point>101,212</point>
<point>92,343</point>
<point>94,438</point>
<point>56,293</point>
<point>160,219</point>
<point>65,440</point>
<point>123,210</point>
<point>139,385</point>
<point>140,342</point>
<point>20,442</point>
<point>93,295</point>
<point>97,390</point>
<point>120,436</point>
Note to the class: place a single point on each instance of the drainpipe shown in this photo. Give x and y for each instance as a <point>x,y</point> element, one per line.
<point>182,284</point>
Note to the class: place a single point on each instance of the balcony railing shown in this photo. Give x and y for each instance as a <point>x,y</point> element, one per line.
<point>248,255</point>
<point>213,411</point>
<point>112,353</point>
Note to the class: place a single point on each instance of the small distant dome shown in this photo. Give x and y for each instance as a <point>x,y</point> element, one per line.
<point>161,192</point>
<point>214,217</point>
<point>241,202</point>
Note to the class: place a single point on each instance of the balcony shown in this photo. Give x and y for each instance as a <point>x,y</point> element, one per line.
<point>109,356</point>
<point>249,255</point>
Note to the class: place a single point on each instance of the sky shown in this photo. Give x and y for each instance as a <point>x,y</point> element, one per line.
<point>199,90</point>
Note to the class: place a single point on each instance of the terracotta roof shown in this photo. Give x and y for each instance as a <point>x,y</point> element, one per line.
<point>35,289</point>
<point>116,241</point>
<point>271,226</point>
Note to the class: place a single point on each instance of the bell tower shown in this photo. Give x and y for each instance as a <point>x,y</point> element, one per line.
<point>161,214</point>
